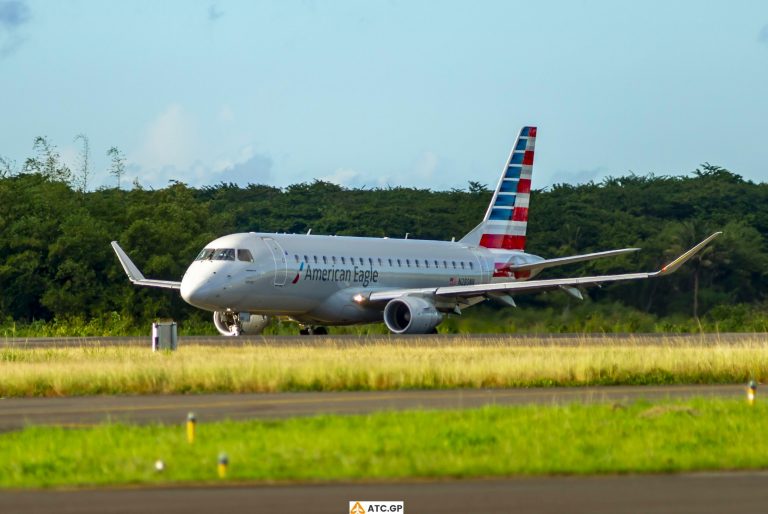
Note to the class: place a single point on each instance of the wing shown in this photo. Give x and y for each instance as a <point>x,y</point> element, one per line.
<point>135,276</point>
<point>529,286</point>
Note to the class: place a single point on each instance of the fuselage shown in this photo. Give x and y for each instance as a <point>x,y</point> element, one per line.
<point>314,279</point>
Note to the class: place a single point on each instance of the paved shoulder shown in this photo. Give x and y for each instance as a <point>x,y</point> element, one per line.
<point>18,412</point>
<point>661,494</point>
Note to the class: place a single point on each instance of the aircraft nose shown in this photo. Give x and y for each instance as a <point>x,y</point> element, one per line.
<point>196,291</point>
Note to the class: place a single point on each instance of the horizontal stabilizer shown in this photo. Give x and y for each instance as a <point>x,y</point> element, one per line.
<point>135,276</point>
<point>560,261</point>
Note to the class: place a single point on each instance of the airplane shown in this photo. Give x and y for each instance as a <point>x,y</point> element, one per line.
<point>409,284</point>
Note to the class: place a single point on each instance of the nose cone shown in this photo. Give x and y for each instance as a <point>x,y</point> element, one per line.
<point>196,289</point>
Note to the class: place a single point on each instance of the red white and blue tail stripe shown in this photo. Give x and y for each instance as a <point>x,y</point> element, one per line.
<point>506,219</point>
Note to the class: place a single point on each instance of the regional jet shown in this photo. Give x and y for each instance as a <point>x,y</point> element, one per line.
<point>410,285</point>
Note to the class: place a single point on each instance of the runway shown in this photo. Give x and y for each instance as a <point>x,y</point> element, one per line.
<point>421,340</point>
<point>702,493</point>
<point>16,413</point>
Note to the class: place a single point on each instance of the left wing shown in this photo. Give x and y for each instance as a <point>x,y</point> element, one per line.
<point>529,286</point>
<point>136,276</point>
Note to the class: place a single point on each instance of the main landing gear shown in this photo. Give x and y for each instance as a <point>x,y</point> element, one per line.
<point>313,331</point>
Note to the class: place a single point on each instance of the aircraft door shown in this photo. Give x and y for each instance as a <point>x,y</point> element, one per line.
<point>281,262</point>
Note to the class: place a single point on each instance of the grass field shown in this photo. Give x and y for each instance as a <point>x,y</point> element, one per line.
<point>397,364</point>
<point>530,440</point>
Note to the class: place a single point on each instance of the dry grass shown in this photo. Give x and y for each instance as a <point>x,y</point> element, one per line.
<point>396,364</point>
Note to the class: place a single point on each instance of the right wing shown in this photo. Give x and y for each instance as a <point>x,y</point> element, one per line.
<point>135,276</point>
<point>528,286</point>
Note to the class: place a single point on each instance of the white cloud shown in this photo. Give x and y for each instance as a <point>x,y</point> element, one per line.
<point>344,177</point>
<point>170,140</point>
<point>246,167</point>
<point>254,170</point>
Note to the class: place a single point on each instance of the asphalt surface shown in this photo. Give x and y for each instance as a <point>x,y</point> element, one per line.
<point>421,340</point>
<point>715,493</point>
<point>16,413</point>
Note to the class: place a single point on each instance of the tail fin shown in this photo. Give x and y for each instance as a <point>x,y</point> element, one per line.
<point>506,219</point>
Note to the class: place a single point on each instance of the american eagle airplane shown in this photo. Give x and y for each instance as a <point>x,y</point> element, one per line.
<point>408,284</point>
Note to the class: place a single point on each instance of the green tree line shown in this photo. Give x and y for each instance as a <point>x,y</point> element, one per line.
<point>56,262</point>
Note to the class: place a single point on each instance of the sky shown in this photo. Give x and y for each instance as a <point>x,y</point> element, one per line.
<point>385,93</point>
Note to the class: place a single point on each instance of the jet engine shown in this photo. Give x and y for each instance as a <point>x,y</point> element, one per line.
<point>411,315</point>
<point>234,324</point>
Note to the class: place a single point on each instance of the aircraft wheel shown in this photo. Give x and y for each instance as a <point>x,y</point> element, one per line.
<point>320,331</point>
<point>304,331</point>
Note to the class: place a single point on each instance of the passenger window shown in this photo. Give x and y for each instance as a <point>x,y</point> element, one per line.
<point>361,261</point>
<point>471,266</point>
<point>462,264</point>
<point>454,264</point>
<point>245,256</point>
<point>325,260</point>
<point>306,259</point>
<point>315,258</point>
<point>399,265</point>
<point>370,261</point>
<point>417,262</point>
<point>437,264</point>
<point>294,256</point>
<point>379,261</point>
<point>343,261</point>
<point>408,262</point>
<point>445,264</point>
<point>390,262</point>
<point>426,263</point>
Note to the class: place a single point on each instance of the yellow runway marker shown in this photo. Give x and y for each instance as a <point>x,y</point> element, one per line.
<point>223,464</point>
<point>191,424</point>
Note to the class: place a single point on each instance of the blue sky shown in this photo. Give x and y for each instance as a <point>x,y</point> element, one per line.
<point>376,93</point>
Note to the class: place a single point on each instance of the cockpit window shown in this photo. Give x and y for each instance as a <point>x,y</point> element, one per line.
<point>224,254</point>
<point>204,254</point>
<point>245,255</point>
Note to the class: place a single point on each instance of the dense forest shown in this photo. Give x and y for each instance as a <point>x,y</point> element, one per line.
<point>57,267</point>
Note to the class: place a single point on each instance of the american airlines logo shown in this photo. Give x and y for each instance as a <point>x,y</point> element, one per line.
<point>357,275</point>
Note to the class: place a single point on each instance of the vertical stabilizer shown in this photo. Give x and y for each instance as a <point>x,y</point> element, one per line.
<point>506,219</point>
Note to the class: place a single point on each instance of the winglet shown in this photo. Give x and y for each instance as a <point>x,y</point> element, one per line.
<point>135,276</point>
<point>130,268</point>
<point>672,266</point>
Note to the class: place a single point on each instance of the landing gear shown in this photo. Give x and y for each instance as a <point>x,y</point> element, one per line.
<point>313,331</point>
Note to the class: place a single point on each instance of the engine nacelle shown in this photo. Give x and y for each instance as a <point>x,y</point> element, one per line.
<point>233,323</point>
<point>411,315</point>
